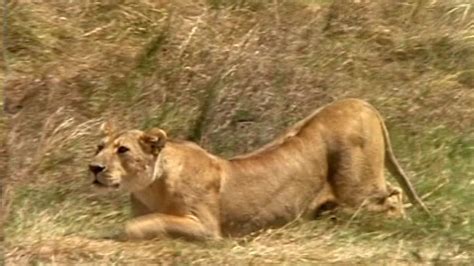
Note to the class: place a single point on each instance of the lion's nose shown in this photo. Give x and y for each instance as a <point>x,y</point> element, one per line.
<point>96,168</point>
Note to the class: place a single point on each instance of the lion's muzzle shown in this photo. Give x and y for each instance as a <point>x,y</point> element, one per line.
<point>96,168</point>
<point>98,172</point>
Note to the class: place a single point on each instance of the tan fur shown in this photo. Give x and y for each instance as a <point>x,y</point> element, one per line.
<point>336,156</point>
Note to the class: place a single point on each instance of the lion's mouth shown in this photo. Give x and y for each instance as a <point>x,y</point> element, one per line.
<point>99,184</point>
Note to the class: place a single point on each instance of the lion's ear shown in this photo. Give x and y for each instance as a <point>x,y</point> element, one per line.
<point>108,128</point>
<point>155,140</point>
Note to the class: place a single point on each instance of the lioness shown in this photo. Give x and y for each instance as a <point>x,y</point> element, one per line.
<point>335,156</point>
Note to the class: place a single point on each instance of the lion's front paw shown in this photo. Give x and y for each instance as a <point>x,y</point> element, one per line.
<point>134,231</point>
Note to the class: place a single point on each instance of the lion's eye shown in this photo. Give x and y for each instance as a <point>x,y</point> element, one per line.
<point>99,148</point>
<point>122,149</point>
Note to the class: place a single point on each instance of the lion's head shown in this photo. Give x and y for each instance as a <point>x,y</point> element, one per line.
<point>127,160</point>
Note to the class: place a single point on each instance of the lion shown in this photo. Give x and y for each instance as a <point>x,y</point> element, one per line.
<point>334,157</point>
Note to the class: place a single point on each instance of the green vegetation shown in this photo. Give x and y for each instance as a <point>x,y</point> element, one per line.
<point>230,75</point>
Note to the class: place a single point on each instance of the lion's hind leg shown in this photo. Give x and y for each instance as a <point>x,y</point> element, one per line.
<point>395,202</point>
<point>359,183</point>
<point>348,178</point>
<point>389,203</point>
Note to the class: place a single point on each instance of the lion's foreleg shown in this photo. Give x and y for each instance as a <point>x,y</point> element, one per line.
<point>155,225</point>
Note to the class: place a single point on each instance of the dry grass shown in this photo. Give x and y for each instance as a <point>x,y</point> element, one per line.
<point>230,75</point>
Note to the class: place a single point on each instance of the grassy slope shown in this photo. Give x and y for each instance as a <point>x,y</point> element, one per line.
<point>230,76</point>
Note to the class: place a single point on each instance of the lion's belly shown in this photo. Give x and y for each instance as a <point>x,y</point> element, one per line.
<point>254,207</point>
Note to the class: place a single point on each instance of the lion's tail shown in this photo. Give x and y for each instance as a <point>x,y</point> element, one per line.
<point>394,167</point>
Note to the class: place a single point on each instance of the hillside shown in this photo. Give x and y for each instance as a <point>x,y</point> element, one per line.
<point>230,75</point>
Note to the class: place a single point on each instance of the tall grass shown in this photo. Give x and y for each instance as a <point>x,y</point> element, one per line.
<point>230,75</point>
